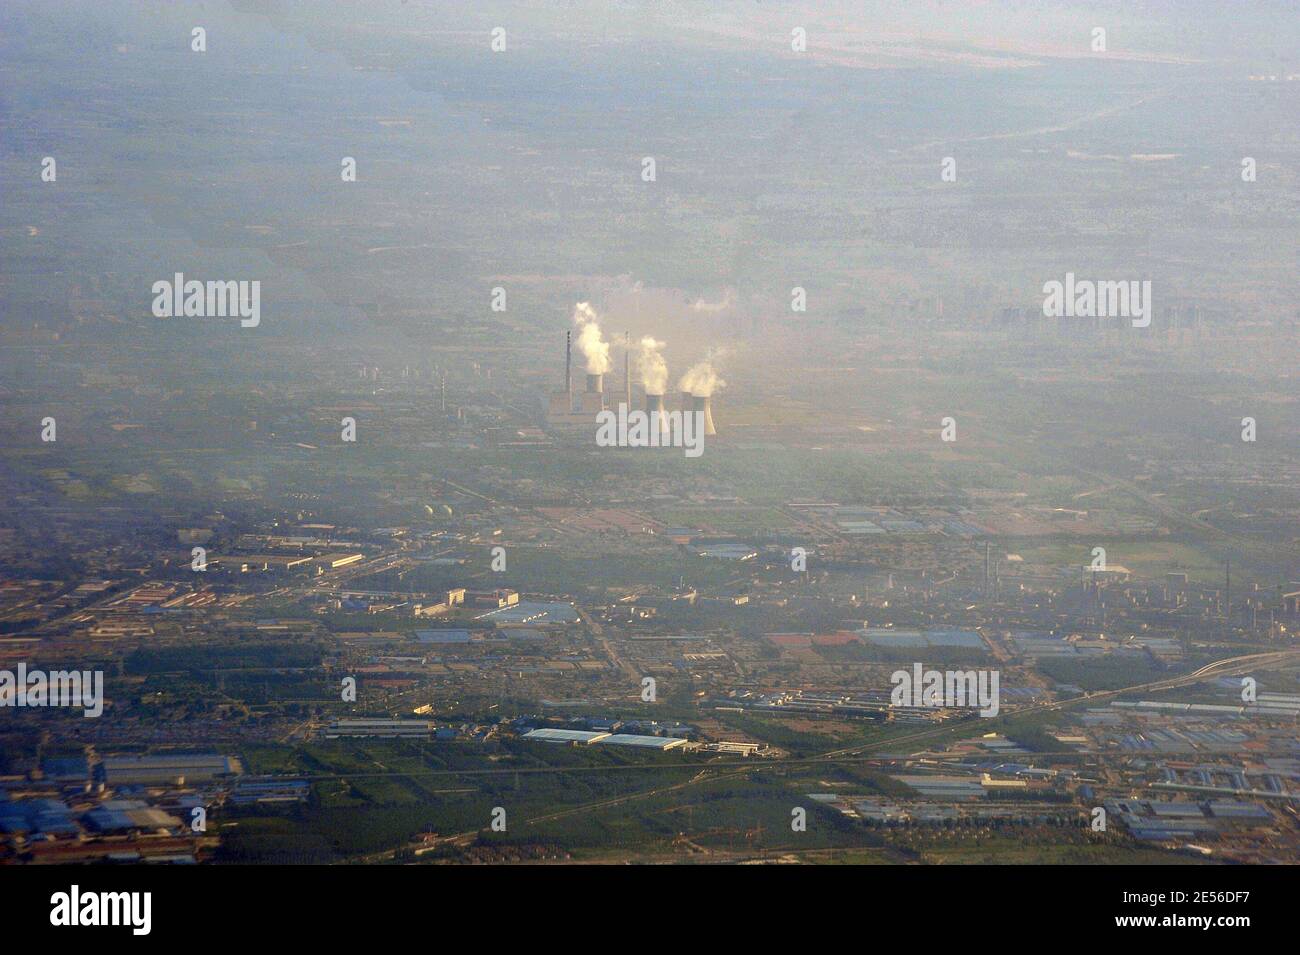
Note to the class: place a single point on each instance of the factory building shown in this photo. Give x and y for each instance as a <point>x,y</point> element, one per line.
<point>567,411</point>
<point>496,599</point>
<point>265,563</point>
<point>950,788</point>
<point>641,742</point>
<point>592,738</point>
<point>378,729</point>
<point>168,769</point>
<point>128,815</point>
<point>335,561</point>
<point>735,748</point>
<point>549,734</point>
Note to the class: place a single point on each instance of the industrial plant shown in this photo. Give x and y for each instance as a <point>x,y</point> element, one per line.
<point>570,412</point>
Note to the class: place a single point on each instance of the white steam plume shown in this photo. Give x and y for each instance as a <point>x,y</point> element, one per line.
<point>590,342</point>
<point>651,365</point>
<point>701,380</point>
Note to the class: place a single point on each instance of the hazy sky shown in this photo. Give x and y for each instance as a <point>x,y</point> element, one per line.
<point>776,168</point>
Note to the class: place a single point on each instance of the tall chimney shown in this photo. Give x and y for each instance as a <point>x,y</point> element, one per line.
<point>704,404</point>
<point>1227,590</point>
<point>595,384</point>
<point>568,367</point>
<point>627,368</point>
<point>655,403</point>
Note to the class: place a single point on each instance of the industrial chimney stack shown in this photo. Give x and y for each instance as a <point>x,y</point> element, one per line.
<point>595,384</point>
<point>627,369</point>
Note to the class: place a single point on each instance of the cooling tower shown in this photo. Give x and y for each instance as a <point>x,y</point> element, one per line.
<point>595,384</point>
<point>704,404</point>
<point>655,403</point>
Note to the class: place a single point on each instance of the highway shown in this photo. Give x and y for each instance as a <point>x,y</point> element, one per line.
<point>1225,667</point>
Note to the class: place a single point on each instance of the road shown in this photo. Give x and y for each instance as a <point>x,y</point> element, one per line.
<point>599,633</point>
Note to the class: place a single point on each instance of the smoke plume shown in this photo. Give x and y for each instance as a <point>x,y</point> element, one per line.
<point>651,365</point>
<point>701,380</point>
<point>593,347</point>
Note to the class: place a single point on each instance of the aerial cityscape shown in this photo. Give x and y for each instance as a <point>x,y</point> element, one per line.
<point>788,433</point>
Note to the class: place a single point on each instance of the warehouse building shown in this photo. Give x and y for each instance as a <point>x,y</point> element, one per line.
<point>128,815</point>
<point>575,737</point>
<point>168,769</point>
<point>335,561</point>
<point>378,729</point>
<point>641,742</point>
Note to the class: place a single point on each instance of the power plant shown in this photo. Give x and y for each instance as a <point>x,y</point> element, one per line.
<point>567,411</point>
<point>563,411</point>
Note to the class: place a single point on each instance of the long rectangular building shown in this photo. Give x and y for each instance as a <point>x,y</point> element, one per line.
<point>642,742</point>
<point>548,734</point>
<point>378,728</point>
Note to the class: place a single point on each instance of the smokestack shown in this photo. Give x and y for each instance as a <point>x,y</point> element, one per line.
<point>595,384</point>
<point>704,404</point>
<point>568,365</point>
<point>655,403</point>
<point>988,548</point>
<point>1227,590</point>
<point>627,368</point>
